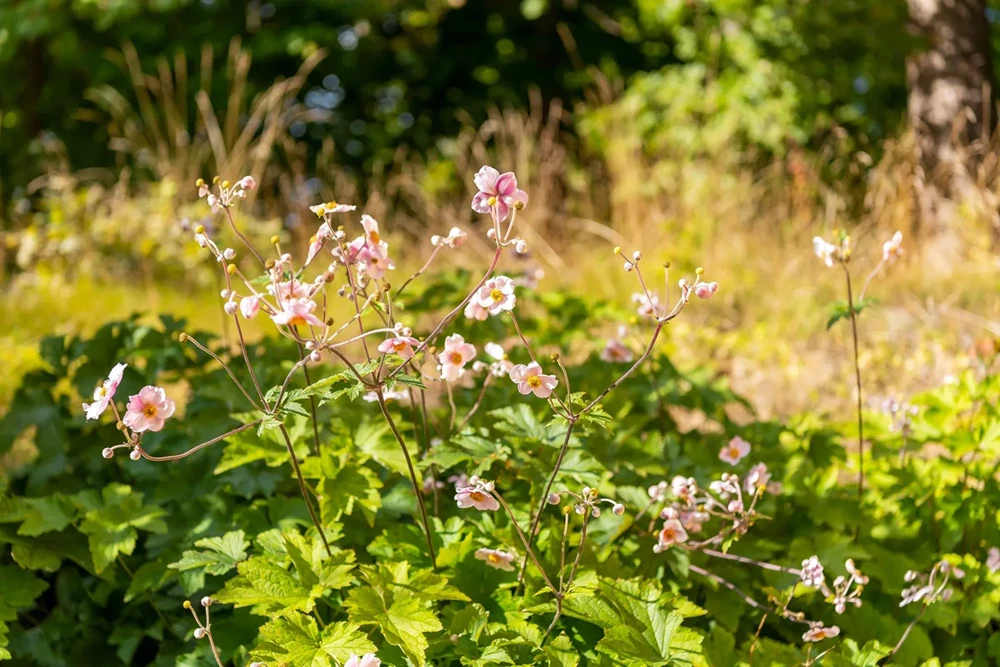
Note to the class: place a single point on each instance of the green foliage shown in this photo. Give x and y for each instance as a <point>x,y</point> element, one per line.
<point>97,556</point>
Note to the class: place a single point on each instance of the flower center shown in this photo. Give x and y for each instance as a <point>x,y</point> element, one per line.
<point>496,295</point>
<point>102,391</point>
<point>149,411</point>
<point>492,201</point>
<point>669,534</point>
<point>477,496</point>
<point>455,358</point>
<point>399,345</point>
<point>534,381</point>
<point>374,237</point>
<point>734,452</point>
<point>493,558</point>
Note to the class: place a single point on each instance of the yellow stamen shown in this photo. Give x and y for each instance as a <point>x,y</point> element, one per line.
<point>496,295</point>
<point>492,201</point>
<point>477,496</point>
<point>149,411</point>
<point>534,382</point>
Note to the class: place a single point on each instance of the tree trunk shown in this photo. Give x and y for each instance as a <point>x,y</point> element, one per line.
<point>951,110</point>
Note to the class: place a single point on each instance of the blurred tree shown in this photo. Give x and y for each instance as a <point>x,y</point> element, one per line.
<point>951,108</point>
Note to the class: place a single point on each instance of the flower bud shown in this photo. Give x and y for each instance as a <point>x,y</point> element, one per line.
<point>182,337</point>
<point>200,182</point>
<point>618,250</point>
<point>474,480</point>
<point>230,307</point>
<point>187,604</point>
<point>329,321</point>
<point>580,509</point>
<point>230,269</point>
<point>521,246</point>
<point>596,512</point>
<point>636,256</point>
<point>229,254</point>
<point>107,452</point>
<point>199,633</point>
<point>618,509</point>
<point>135,455</point>
<point>491,233</point>
<point>315,357</point>
<point>629,266</point>
<point>489,486</point>
<point>586,491</point>
<point>206,601</point>
<point>553,497</point>
<point>269,264</point>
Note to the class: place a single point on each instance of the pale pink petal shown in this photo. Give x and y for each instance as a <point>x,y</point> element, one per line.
<point>486,179</point>
<point>481,202</point>
<point>506,184</point>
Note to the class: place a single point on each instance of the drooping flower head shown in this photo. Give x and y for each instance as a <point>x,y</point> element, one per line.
<point>367,660</point>
<point>330,207</point>
<point>497,558</point>
<point>473,311</point>
<point>734,452</point>
<point>250,306</point>
<point>105,392</point>
<point>148,410</point>
<point>817,632</point>
<point>502,365</point>
<point>455,238</point>
<point>479,495</point>
<point>531,380</point>
<point>757,479</point>
<point>704,290</point>
<point>457,353</point>
<point>498,193</point>
<point>497,295</point>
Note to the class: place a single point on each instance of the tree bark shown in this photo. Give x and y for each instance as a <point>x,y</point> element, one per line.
<point>951,110</point>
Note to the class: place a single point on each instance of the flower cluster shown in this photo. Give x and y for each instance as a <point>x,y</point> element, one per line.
<point>588,501</point>
<point>478,495</point>
<point>932,586</point>
<point>845,590</point>
<point>224,194</point>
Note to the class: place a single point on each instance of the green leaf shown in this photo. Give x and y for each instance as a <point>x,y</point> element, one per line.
<point>267,587</point>
<point>840,310</point>
<point>43,515</point>
<point>111,524</point>
<point>346,485</point>
<point>403,621</point>
<point>20,588</point>
<point>219,555</point>
<point>296,641</point>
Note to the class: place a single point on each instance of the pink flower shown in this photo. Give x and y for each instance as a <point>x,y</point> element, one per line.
<point>497,194</point>
<point>247,183</point>
<point>479,495</point>
<point>456,354</point>
<point>401,345</point>
<point>461,480</point>
<point>672,533</point>
<point>473,311</point>
<point>455,238</point>
<point>530,380</point>
<point>351,252</point>
<point>148,410</point>
<point>817,633</point>
<point>734,452</point>
<point>757,479</point>
<point>290,289</point>
<point>812,572</point>
<point>496,558</point>
<point>647,304</point>
<point>615,352</point>
<point>684,488</point>
<point>705,290</point>
<point>330,207</point>
<point>502,366</point>
<point>497,295</point>
<point>297,312</point>
<point>993,559</point>
<point>376,246</point>
<point>250,306</point>
<point>105,392</point>
<point>375,266</point>
<point>892,249</point>
<point>367,660</point>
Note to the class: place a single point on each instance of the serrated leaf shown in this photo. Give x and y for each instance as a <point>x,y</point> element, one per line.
<point>20,588</point>
<point>404,622</point>
<point>48,514</point>
<point>267,587</point>
<point>217,555</point>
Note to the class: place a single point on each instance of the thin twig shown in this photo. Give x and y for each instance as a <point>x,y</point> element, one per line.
<point>302,488</point>
<point>177,457</point>
<point>857,375</point>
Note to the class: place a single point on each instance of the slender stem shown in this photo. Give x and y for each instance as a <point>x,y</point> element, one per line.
<point>417,487</point>
<point>517,328</point>
<point>245,240</point>
<point>857,376</point>
<point>449,317</point>
<point>475,406</point>
<point>228,370</point>
<point>909,628</point>
<point>312,403</point>
<point>562,549</point>
<point>177,457</point>
<point>302,488</point>
<point>527,546</point>
<point>638,362</point>
<point>418,273</point>
<point>215,651</point>
<point>537,519</point>
<point>579,550</point>
<point>731,586</point>
<point>751,561</point>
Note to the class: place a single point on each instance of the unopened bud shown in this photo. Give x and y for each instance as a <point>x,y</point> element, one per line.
<point>554,499</point>
<point>229,254</point>
<point>636,256</point>
<point>596,512</point>
<point>521,246</point>
<point>200,182</point>
<point>230,308</point>
<point>269,264</point>
<point>135,455</point>
<point>618,509</point>
<point>230,269</point>
<point>666,265</point>
<point>187,604</point>
<point>315,357</point>
<point>329,321</point>
<point>199,633</point>
<point>107,452</point>
<point>275,239</point>
<point>586,491</point>
<point>329,276</point>
<point>182,337</point>
<point>491,233</point>
<point>225,184</point>
<point>225,293</point>
<point>200,229</point>
<point>206,601</point>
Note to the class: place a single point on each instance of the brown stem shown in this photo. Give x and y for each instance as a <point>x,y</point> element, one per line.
<point>579,550</point>
<point>417,487</point>
<point>751,561</point>
<point>527,546</point>
<point>245,240</point>
<point>302,488</point>
<point>857,375</point>
<point>177,457</point>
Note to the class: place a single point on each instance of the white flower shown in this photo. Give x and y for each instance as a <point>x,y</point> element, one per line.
<point>734,452</point>
<point>812,572</point>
